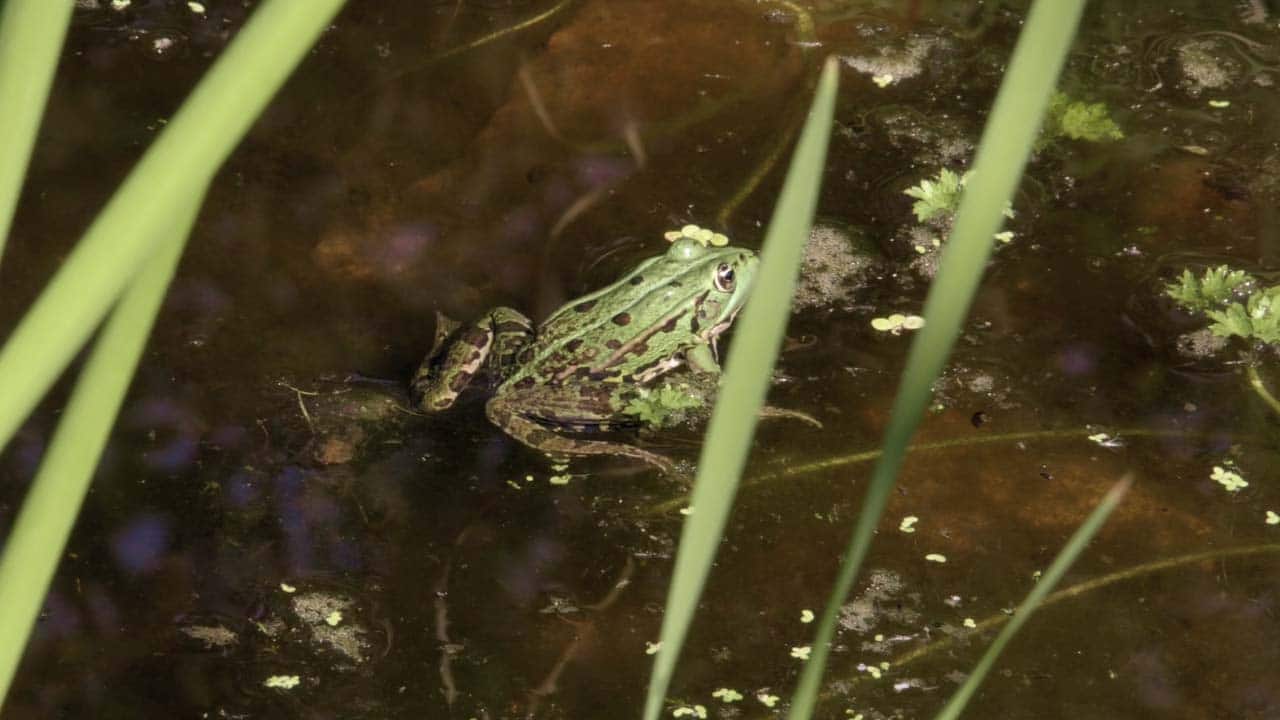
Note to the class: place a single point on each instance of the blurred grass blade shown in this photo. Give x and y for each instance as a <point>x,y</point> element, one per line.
<point>35,545</point>
<point>1006,143</point>
<point>1044,586</point>
<point>747,372</point>
<point>31,35</point>
<point>177,167</point>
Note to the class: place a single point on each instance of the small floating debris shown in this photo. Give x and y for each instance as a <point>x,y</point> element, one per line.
<point>882,81</point>
<point>806,616</point>
<point>652,648</point>
<point>936,557</point>
<point>282,682</point>
<point>766,699</point>
<point>1219,103</point>
<point>801,652</point>
<point>1273,518</point>
<point>897,322</point>
<point>1228,479</point>
<point>970,623</point>
<point>287,588</point>
<point>727,695</point>
<point>1106,440</point>
<point>703,235</point>
<point>908,524</point>
<point>698,711</point>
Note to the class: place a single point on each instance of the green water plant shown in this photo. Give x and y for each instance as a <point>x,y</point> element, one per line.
<point>748,368</point>
<point>1006,145</point>
<point>1077,120</point>
<point>936,196</point>
<point>120,271</point>
<point>1236,305</point>
<point>1002,153</point>
<point>31,34</point>
<point>1232,300</point>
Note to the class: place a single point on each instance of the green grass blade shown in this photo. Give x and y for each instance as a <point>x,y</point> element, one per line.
<point>1047,582</point>
<point>35,545</point>
<point>31,35</point>
<point>1002,154</point>
<point>176,168</point>
<point>747,372</point>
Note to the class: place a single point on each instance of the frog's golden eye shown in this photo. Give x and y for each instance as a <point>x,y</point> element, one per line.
<point>724,278</point>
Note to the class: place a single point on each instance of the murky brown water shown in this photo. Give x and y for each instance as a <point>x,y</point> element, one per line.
<point>408,168</point>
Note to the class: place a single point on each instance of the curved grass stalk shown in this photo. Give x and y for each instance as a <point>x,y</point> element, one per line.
<point>1260,388</point>
<point>1065,558</point>
<point>996,620</point>
<point>31,35</point>
<point>748,368</point>
<point>829,463</point>
<point>1002,153</point>
<point>41,529</point>
<point>129,253</point>
<point>177,167</point>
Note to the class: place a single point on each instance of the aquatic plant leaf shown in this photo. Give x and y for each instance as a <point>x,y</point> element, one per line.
<point>1258,319</point>
<point>1077,120</point>
<point>663,405</point>
<point>748,369</point>
<point>1006,143</point>
<point>1212,291</point>
<point>937,196</point>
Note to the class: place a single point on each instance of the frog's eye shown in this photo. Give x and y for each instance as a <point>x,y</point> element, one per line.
<point>724,278</point>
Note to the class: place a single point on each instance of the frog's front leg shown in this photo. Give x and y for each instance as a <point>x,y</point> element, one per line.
<point>702,358</point>
<point>450,366</point>
<point>505,412</point>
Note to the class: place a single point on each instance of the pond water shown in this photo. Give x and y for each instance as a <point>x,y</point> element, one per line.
<point>267,508</point>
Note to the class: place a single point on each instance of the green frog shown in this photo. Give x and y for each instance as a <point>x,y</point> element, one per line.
<point>578,372</point>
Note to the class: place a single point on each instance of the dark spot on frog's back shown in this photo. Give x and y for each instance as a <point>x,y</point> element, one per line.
<point>584,306</point>
<point>636,279</point>
<point>459,382</point>
<point>613,343</point>
<point>525,383</point>
<point>622,319</point>
<point>573,345</point>
<point>476,337</point>
<point>670,325</point>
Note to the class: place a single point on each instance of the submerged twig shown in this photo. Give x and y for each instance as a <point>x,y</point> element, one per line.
<point>996,620</point>
<point>829,463</point>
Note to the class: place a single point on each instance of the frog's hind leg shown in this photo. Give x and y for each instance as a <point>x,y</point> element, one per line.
<point>460,352</point>
<point>545,440</point>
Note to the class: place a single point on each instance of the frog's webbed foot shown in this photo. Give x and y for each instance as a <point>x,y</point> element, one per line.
<point>540,438</point>
<point>768,412</point>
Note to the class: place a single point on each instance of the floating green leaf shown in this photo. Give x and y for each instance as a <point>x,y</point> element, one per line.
<point>936,196</point>
<point>1217,287</point>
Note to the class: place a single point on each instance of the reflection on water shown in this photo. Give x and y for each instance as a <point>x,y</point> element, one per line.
<point>260,515</point>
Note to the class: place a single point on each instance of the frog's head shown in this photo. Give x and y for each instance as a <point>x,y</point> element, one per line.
<point>724,275</point>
